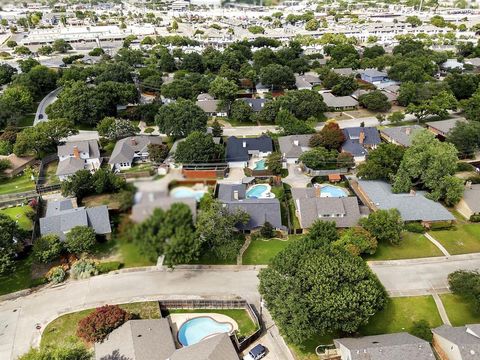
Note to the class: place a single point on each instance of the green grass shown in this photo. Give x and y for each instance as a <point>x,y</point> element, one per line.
<point>412,246</point>
<point>19,214</point>
<point>460,311</point>
<point>131,255</point>
<point>20,278</point>
<point>138,168</point>
<point>462,239</point>
<point>50,173</point>
<point>261,251</point>
<point>209,258</point>
<point>400,313</point>
<point>62,330</point>
<point>246,326</point>
<point>17,184</point>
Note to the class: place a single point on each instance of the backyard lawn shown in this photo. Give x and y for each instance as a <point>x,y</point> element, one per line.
<point>246,326</point>
<point>61,331</point>
<point>462,239</point>
<point>412,246</point>
<point>459,310</point>
<point>261,251</point>
<point>50,173</point>
<point>17,184</point>
<point>19,214</point>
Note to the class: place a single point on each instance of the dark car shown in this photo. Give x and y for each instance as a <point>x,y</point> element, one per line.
<point>256,353</point>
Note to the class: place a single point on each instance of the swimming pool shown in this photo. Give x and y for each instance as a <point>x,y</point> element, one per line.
<point>186,192</point>
<point>195,330</point>
<point>260,165</point>
<point>332,191</point>
<point>259,191</point>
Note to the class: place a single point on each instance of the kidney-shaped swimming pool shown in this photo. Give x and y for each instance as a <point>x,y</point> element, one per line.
<point>195,330</point>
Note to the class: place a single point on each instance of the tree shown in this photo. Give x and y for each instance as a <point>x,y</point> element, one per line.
<point>45,50</point>
<point>241,111</point>
<point>382,162</point>
<point>290,125</point>
<point>61,46</point>
<point>438,105</point>
<point>357,241</point>
<point>269,112</point>
<point>47,248</point>
<point>40,80</point>
<point>466,284</point>
<point>303,104</point>
<point>157,153</point>
<point>463,85</point>
<point>421,329</point>
<point>267,231</point>
<point>22,50</point>
<point>27,64</point>
<point>15,101</point>
<point>330,137</point>
<point>10,236</point>
<point>6,73</point>
<point>471,107</point>
<point>428,163</point>
<point>413,20</point>
<point>217,129</point>
<point>179,119</point>
<point>65,352</point>
<point>466,137</point>
<point>101,322</point>
<point>375,101</point>
<point>277,76</point>
<point>193,62</point>
<point>223,89</point>
<point>346,85</point>
<point>312,25</point>
<point>296,295</point>
<point>198,147</point>
<point>385,225</point>
<point>373,52</point>
<point>396,117</point>
<point>274,163</point>
<point>11,44</point>
<point>116,129</point>
<point>345,160</point>
<point>319,158</point>
<point>80,239</point>
<point>83,183</point>
<point>216,229</point>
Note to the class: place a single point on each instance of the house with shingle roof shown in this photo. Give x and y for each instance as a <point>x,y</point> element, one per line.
<point>256,104</point>
<point>61,216</point>
<point>212,107</point>
<point>359,140</point>
<point>339,103</point>
<point>240,150</point>
<point>302,84</point>
<point>293,146</point>
<point>443,127</point>
<point>77,155</point>
<point>398,346</point>
<point>373,75</point>
<point>470,203</point>
<point>457,343</point>
<point>400,135</point>
<point>131,150</point>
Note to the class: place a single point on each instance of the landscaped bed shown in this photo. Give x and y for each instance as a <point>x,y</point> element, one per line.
<point>462,239</point>
<point>62,331</point>
<point>412,246</point>
<point>20,214</point>
<point>459,310</point>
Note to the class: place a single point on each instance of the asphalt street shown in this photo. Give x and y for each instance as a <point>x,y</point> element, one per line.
<point>40,115</point>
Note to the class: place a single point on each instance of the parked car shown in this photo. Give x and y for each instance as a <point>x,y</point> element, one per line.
<point>256,353</point>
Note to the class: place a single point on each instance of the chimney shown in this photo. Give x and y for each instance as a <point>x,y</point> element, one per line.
<point>361,139</point>
<point>317,191</point>
<point>244,144</point>
<point>235,195</point>
<point>295,142</point>
<point>408,130</point>
<point>133,141</point>
<point>76,153</point>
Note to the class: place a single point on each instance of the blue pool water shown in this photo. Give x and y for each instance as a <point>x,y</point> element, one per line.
<point>260,165</point>
<point>256,191</point>
<point>194,330</point>
<point>185,192</point>
<point>332,191</point>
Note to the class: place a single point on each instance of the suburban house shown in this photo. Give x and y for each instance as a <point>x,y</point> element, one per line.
<point>63,215</point>
<point>475,62</point>
<point>470,203</point>
<point>77,155</point>
<point>261,89</point>
<point>384,347</point>
<point>339,103</point>
<point>443,127</point>
<point>205,97</point>
<point>212,107</point>
<point>359,140</point>
<point>131,150</point>
<point>18,164</point>
<point>234,197</point>
<point>302,84</point>
<point>413,206</point>
<point>153,340</point>
<point>293,146</point>
<point>373,76</point>
<point>147,202</point>
<point>256,104</point>
<point>344,71</point>
<point>310,206</point>
<point>451,64</point>
<point>239,151</point>
<point>400,135</point>
<point>457,343</point>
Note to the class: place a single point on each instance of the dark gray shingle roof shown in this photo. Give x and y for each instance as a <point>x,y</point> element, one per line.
<point>402,135</point>
<point>352,140</point>
<point>294,145</point>
<point>238,148</point>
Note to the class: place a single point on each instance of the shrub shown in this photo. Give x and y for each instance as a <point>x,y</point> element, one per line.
<point>47,248</point>
<point>106,267</point>
<point>56,275</point>
<point>441,225</point>
<point>267,231</point>
<point>80,239</point>
<point>101,322</point>
<point>475,218</point>
<point>463,166</point>
<point>83,269</point>
<point>415,227</point>
<point>422,330</point>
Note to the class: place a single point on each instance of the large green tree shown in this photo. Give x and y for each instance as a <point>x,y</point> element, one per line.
<point>375,101</point>
<point>180,118</point>
<point>10,239</point>
<point>277,76</point>
<point>199,147</point>
<point>382,162</point>
<point>385,225</point>
<point>466,137</point>
<point>304,104</point>
<point>436,106</point>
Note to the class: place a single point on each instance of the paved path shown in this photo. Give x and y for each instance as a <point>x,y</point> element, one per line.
<point>437,244</point>
<point>41,115</point>
<point>441,309</point>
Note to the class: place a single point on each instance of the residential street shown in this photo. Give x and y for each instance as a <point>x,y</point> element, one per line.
<point>47,100</point>
<point>19,317</point>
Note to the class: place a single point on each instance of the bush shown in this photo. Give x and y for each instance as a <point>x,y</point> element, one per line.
<point>475,218</point>
<point>267,231</point>
<point>80,239</point>
<point>47,248</point>
<point>83,269</point>
<point>441,225</point>
<point>56,275</point>
<point>422,330</point>
<point>106,267</point>
<point>415,227</point>
<point>463,166</point>
<point>96,326</point>
<point>149,130</point>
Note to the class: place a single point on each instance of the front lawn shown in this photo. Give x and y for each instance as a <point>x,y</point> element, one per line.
<point>412,246</point>
<point>20,278</point>
<point>62,330</point>
<point>19,214</point>
<point>246,326</point>
<point>261,251</point>
<point>17,184</point>
<point>462,239</point>
<point>138,168</point>
<point>459,310</point>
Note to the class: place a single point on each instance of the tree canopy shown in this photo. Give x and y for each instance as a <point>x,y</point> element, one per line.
<point>180,118</point>
<point>199,147</point>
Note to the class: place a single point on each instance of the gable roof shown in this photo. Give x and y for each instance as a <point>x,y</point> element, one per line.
<point>343,71</point>
<point>225,192</point>
<point>352,140</point>
<point>238,149</point>
<point>293,146</point>
<point>373,73</point>
<point>210,106</point>
<point>70,166</point>
<point>402,135</point>
<point>399,346</point>
<point>412,207</point>
<point>260,211</point>
<point>471,196</point>
<point>217,347</point>
<point>125,149</point>
<point>467,338</point>
<point>256,104</point>
<point>301,83</point>
<point>445,126</point>
<point>333,101</point>
<point>84,146</point>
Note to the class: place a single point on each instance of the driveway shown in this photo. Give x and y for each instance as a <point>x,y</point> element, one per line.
<point>40,115</point>
<point>296,177</point>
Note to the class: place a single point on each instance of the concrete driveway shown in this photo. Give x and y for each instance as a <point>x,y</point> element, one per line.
<point>296,177</point>
<point>41,115</point>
